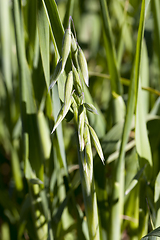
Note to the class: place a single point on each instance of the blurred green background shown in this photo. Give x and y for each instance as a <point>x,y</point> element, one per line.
<point>40,188</point>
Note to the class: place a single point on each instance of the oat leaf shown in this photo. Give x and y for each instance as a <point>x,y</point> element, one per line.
<point>56,74</point>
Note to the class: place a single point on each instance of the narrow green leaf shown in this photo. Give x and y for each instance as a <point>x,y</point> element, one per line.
<point>156,200</point>
<point>134,182</point>
<point>156,15</point>
<point>125,39</point>
<point>142,144</point>
<point>119,108</point>
<point>43,31</point>
<point>26,91</point>
<point>141,136</point>
<point>44,203</point>
<point>144,74</point>
<point>36,152</point>
<point>55,22</point>
<point>56,74</point>
<point>117,209</point>
<point>31,25</point>
<point>58,215</point>
<point>111,139</point>
<point>69,11</point>
<point>155,233</point>
<point>115,154</point>
<point>59,132</point>
<point>44,135</point>
<point>76,180</point>
<point>131,212</point>
<point>6,43</point>
<point>110,50</point>
<point>16,169</point>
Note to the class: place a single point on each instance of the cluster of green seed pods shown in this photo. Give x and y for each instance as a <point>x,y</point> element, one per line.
<point>74,98</point>
<point>77,57</point>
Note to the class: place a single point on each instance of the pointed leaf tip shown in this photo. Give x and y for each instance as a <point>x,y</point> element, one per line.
<point>53,130</point>
<point>58,70</point>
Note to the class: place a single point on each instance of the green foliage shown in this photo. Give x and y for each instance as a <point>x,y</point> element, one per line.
<point>79,119</point>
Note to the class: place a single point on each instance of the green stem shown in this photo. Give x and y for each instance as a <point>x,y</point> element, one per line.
<point>89,195</point>
<point>124,81</point>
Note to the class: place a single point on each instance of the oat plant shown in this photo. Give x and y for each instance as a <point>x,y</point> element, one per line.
<point>74,100</point>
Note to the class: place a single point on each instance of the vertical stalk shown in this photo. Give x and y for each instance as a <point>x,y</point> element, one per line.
<point>89,195</point>
<point>110,49</point>
<point>118,188</point>
<point>85,159</point>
